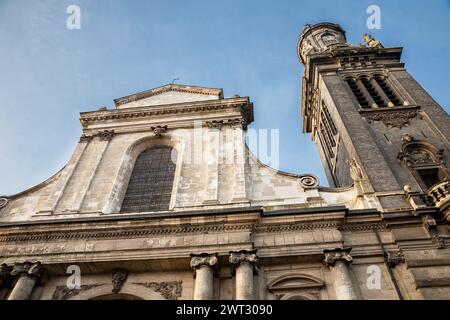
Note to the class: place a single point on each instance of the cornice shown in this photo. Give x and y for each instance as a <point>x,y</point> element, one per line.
<point>242,104</point>
<point>121,233</point>
<point>18,236</point>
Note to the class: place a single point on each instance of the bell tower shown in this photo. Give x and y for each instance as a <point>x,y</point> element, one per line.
<point>373,124</point>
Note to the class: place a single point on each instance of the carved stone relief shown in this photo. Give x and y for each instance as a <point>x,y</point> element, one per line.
<point>64,293</point>
<point>159,130</point>
<point>394,119</point>
<point>331,257</point>
<point>170,290</point>
<point>395,257</point>
<point>309,182</point>
<point>3,202</point>
<point>119,276</point>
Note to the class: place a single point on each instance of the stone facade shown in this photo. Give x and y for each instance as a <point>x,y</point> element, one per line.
<point>235,228</point>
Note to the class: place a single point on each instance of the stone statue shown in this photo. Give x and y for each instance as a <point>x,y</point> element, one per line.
<point>355,170</point>
<point>371,42</point>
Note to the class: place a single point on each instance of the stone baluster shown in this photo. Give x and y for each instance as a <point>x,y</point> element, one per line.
<point>204,266</point>
<point>27,275</point>
<point>338,260</point>
<point>244,263</point>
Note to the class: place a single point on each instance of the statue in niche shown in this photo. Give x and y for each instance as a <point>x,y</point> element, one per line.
<point>355,170</point>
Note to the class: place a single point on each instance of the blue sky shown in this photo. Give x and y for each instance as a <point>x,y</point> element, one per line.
<point>48,74</point>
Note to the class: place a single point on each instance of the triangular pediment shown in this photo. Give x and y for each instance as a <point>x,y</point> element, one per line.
<point>169,94</point>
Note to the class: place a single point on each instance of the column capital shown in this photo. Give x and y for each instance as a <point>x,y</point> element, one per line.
<point>237,257</point>
<point>203,259</point>
<point>28,269</point>
<point>332,256</point>
<point>248,256</point>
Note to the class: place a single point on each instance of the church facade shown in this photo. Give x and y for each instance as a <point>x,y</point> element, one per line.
<point>162,199</point>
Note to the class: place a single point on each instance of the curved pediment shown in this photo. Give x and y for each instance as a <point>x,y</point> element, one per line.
<point>295,281</point>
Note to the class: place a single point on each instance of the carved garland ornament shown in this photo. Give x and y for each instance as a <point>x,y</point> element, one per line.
<point>64,293</point>
<point>170,290</point>
<point>394,119</point>
<point>105,135</point>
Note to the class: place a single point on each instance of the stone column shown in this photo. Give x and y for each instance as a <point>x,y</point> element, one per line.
<point>244,263</point>
<point>27,275</point>
<point>380,91</point>
<point>337,260</point>
<point>366,93</point>
<point>4,273</point>
<point>204,266</point>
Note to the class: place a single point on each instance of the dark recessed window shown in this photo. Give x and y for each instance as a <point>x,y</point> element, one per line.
<point>429,176</point>
<point>150,185</point>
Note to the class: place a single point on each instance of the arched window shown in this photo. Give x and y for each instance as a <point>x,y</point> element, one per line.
<point>296,287</point>
<point>328,39</point>
<point>151,182</point>
<point>373,92</point>
<point>357,93</point>
<point>387,90</point>
<point>425,162</point>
